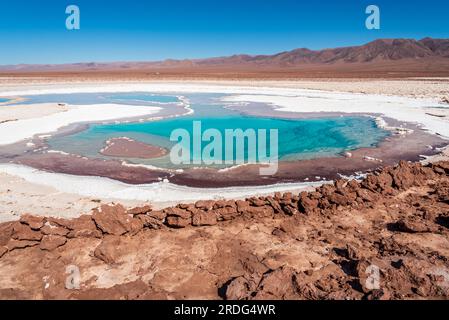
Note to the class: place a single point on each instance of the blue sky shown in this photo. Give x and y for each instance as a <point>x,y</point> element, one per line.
<point>33,31</point>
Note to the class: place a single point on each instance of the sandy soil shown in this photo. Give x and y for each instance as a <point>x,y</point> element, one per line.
<point>18,197</point>
<point>431,87</point>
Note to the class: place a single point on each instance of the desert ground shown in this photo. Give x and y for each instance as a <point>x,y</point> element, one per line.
<point>324,244</point>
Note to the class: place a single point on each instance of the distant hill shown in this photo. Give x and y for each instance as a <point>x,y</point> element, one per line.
<point>426,55</point>
<point>378,50</point>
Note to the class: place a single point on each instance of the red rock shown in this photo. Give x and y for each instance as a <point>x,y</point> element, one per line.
<point>107,250</point>
<point>351,195</point>
<point>288,201</point>
<point>291,211</point>
<point>177,222</point>
<point>135,290</point>
<point>379,294</point>
<point>6,230</point>
<point>159,215</point>
<point>257,271</point>
<point>384,181</point>
<point>344,188</point>
<point>428,173</point>
<point>110,226</point>
<point>287,196</point>
<point>338,199</point>
<point>274,204</point>
<point>314,195</point>
<point>139,210</point>
<point>242,205</point>
<point>51,242</point>
<point>277,284</point>
<point>308,291</point>
<point>430,213</point>
<point>178,218</point>
<point>224,204</point>
<point>238,289</point>
<point>150,222</point>
<point>84,227</point>
<point>65,223</point>
<point>306,204</point>
<point>34,222</point>
<point>353,252</point>
<point>324,203</point>
<point>258,212</point>
<point>202,218</point>
<point>20,244</point>
<point>257,202</point>
<point>370,182</point>
<point>134,226</point>
<point>415,226</point>
<point>184,205</point>
<point>326,190</point>
<point>441,167</point>
<point>340,184</point>
<point>445,199</point>
<point>154,219</point>
<point>205,205</point>
<point>3,250</point>
<point>114,220</point>
<point>226,213</point>
<point>178,212</point>
<point>50,229</point>
<point>354,185</point>
<point>367,195</point>
<point>191,208</point>
<point>403,176</point>
<point>24,232</point>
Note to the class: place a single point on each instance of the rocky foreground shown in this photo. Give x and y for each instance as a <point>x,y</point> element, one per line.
<point>383,238</point>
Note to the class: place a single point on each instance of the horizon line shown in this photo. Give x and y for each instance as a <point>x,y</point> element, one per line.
<point>212,57</point>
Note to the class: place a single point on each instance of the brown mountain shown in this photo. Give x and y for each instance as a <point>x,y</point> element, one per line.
<point>378,50</point>
<point>398,56</point>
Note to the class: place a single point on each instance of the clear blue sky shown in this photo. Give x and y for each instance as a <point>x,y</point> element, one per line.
<point>33,31</point>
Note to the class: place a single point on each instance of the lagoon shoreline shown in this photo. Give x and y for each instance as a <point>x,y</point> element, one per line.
<point>413,146</point>
<point>308,173</point>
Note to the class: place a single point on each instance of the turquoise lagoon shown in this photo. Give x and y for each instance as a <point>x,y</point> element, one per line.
<point>298,139</point>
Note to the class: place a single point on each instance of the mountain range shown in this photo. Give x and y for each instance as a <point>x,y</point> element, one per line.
<point>386,55</point>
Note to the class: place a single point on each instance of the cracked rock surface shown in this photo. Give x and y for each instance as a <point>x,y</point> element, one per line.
<point>385,237</point>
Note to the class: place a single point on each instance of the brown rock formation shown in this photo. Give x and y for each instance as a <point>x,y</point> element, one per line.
<point>385,237</point>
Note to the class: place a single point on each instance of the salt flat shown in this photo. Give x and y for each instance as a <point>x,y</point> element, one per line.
<point>290,97</point>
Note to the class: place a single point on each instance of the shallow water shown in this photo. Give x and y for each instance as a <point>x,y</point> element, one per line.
<point>139,97</point>
<point>298,139</point>
<point>134,98</point>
